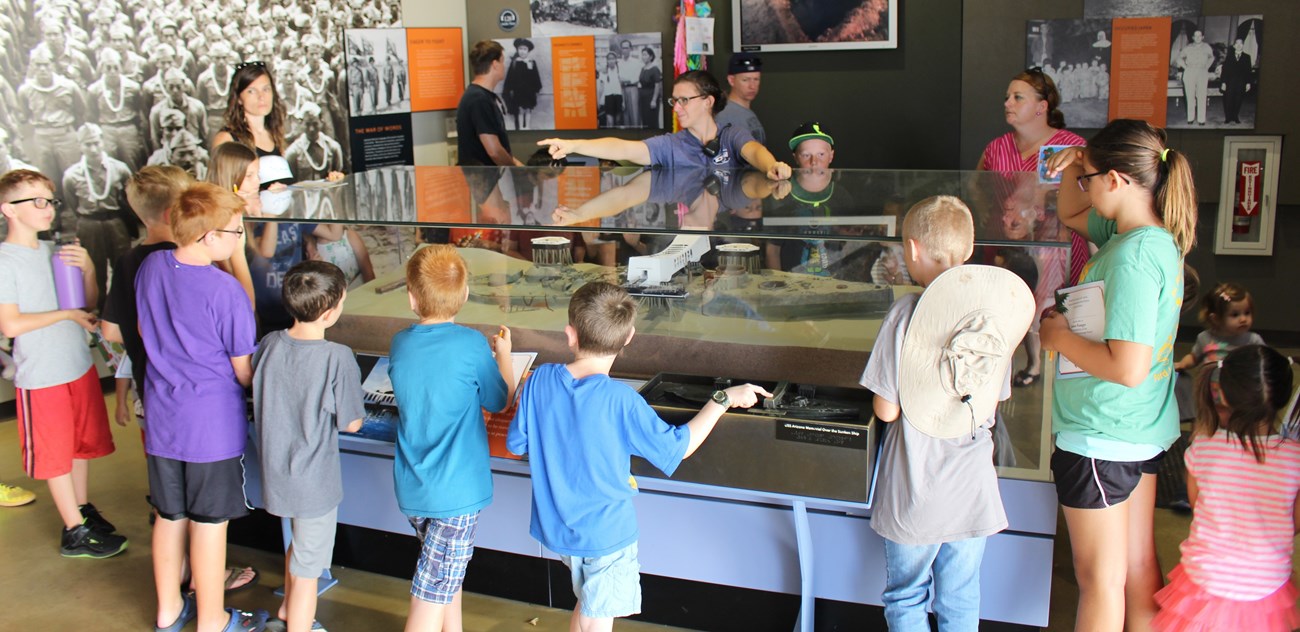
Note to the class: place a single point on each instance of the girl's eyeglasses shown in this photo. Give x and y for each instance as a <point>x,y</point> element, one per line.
<point>675,101</point>
<point>1086,176</point>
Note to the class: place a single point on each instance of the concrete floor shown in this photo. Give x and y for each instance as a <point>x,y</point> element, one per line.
<point>45,591</point>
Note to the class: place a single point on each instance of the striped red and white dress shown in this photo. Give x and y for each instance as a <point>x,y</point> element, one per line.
<point>1236,561</point>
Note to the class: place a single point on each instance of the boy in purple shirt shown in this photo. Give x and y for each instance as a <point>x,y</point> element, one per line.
<point>198,332</point>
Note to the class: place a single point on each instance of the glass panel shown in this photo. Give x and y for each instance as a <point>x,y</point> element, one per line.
<point>777,284</point>
<point>1007,207</point>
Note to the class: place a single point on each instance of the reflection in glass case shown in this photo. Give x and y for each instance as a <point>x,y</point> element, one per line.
<point>736,275</point>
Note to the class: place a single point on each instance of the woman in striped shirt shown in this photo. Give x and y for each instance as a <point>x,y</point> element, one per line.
<point>1242,478</point>
<point>1032,110</point>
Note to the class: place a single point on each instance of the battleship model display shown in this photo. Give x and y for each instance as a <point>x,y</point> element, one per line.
<point>733,290</point>
<point>812,441</point>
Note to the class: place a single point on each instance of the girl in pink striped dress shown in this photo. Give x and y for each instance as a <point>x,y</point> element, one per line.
<point>1242,478</point>
<point>1031,108</point>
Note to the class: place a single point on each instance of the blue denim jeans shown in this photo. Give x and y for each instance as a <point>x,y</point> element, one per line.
<point>950,570</point>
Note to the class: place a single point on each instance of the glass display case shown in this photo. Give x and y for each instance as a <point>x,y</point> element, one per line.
<point>737,276</point>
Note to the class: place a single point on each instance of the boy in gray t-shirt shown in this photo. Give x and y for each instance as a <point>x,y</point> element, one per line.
<point>306,389</point>
<point>937,500</point>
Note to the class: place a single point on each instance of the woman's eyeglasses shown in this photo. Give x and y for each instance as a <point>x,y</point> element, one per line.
<point>40,202</point>
<point>675,101</point>
<point>1086,176</point>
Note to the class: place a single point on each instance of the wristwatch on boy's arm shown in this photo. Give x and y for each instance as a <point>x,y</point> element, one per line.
<point>722,399</point>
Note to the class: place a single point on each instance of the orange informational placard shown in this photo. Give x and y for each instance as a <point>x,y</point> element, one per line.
<point>576,187</point>
<point>498,425</point>
<point>1139,80</point>
<point>441,195</point>
<point>573,63</point>
<point>437,62</point>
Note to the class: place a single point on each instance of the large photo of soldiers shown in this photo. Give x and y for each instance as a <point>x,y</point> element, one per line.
<point>377,72</point>
<point>1214,71</point>
<point>92,91</point>
<point>555,18</point>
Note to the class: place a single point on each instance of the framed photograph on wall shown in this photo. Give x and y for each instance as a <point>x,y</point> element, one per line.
<point>1248,195</point>
<point>800,25</point>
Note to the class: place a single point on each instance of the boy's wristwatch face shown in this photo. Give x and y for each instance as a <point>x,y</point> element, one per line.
<point>720,398</point>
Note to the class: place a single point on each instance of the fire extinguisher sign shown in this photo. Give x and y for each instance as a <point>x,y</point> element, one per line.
<point>1247,203</point>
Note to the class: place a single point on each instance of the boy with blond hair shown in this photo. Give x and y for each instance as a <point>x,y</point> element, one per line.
<point>151,192</point>
<point>580,429</point>
<point>937,499</point>
<point>305,390</point>
<point>61,415</point>
<point>443,376</point>
<point>198,333</point>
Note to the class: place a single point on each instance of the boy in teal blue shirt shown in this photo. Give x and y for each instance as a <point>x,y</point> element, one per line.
<point>443,376</point>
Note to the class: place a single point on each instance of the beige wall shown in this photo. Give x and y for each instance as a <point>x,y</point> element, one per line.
<point>430,128</point>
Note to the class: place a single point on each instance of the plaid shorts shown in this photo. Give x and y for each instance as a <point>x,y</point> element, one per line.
<point>446,545</point>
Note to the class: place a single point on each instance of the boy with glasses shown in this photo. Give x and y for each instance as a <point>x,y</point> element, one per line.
<point>198,333</point>
<point>61,415</point>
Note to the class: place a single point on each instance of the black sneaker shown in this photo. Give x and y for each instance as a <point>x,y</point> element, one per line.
<point>83,541</point>
<point>95,520</point>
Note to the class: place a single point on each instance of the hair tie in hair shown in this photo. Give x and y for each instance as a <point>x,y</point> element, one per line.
<point>1164,155</point>
<point>1219,364</point>
<point>1225,297</point>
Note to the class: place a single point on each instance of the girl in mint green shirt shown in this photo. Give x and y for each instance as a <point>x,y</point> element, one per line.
<point>1134,198</point>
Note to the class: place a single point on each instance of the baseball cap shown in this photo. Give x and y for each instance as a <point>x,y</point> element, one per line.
<point>744,62</point>
<point>809,130</point>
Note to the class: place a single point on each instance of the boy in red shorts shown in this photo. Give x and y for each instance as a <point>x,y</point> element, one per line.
<point>61,415</point>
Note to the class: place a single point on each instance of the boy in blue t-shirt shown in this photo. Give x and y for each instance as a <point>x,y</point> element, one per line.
<point>443,376</point>
<point>582,490</point>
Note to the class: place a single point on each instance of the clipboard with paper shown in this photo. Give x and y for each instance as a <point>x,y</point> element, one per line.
<point>1084,309</point>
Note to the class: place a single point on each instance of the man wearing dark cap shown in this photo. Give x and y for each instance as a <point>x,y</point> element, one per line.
<point>813,148</point>
<point>744,73</point>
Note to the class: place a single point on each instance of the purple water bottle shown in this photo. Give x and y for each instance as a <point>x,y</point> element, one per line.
<point>68,283</point>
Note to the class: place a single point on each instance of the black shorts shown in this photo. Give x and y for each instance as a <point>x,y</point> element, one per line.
<point>613,104</point>
<point>1085,483</point>
<point>203,492</point>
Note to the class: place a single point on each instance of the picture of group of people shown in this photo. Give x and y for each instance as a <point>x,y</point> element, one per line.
<point>630,81</point>
<point>1214,71</point>
<point>89,96</point>
<point>553,18</point>
<point>1076,54</point>
<point>377,73</point>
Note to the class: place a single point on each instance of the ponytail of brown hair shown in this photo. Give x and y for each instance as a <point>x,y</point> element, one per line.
<point>1138,150</point>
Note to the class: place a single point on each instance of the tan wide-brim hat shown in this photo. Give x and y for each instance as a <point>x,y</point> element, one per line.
<point>958,348</point>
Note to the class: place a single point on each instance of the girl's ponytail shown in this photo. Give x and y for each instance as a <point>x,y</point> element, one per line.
<point>1175,199</point>
<point>1137,149</point>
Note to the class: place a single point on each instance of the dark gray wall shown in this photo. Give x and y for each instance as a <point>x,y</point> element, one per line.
<point>887,109</point>
<point>993,50</point>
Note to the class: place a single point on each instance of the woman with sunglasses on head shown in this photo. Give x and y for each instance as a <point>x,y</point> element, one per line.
<point>255,118</point>
<point>697,99</point>
<point>1031,108</point>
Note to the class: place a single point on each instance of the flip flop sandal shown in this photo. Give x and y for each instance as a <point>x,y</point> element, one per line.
<point>1025,378</point>
<point>189,609</point>
<point>244,621</point>
<point>234,573</point>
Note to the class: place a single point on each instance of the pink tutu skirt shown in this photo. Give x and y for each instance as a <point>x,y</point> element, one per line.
<point>1186,607</point>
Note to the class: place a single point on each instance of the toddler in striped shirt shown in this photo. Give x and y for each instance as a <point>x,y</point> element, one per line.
<point>1242,479</point>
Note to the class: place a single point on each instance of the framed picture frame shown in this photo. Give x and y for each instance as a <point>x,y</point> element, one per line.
<point>795,25</point>
<point>1248,195</point>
